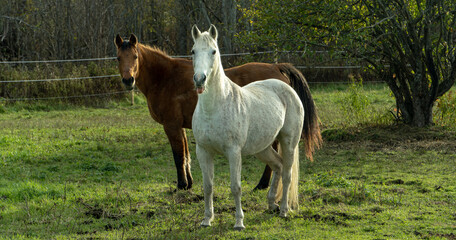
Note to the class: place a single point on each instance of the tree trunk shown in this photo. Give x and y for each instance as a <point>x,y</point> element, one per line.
<point>229,23</point>
<point>417,112</point>
<point>183,20</point>
<point>204,13</point>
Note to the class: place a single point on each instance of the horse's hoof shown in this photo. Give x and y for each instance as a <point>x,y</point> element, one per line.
<point>261,186</point>
<point>274,208</point>
<point>239,228</point>
<point>205,225</point>
<point>183,186</point>
<point>283,214</point>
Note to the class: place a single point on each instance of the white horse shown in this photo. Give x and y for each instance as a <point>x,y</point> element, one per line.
<point>237,121</point>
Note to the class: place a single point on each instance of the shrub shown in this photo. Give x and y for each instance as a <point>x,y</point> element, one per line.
<point>445,114</point>
<point>355,102</point>
<point>96,90</point>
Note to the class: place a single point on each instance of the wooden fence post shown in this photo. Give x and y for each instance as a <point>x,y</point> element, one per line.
<point>132,97</point>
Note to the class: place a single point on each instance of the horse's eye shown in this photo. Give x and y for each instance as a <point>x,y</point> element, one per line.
<point>136,56</point>
<point>213,52</point>
<point>193,52</point>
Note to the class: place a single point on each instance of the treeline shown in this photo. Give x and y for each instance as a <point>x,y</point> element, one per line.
<point>74,29</point>
<point>67,29</point>
<point>77,29</point>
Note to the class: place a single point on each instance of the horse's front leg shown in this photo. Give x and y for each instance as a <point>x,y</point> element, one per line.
<point>206,161</point>
<point>178,140</point>
<point>235,160</point>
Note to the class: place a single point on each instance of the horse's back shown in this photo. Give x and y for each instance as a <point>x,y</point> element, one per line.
<point>274,108</point>
<point>270,87</point>
<point>291,105</point>
<point>250,72</point>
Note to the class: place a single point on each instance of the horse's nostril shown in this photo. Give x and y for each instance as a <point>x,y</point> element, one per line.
<point>128,82</point>
<point>199,78</point>
<point>195,78</point>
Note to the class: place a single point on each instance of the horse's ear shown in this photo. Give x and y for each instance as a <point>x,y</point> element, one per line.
<point>133,40</point>
<point>213,32</point>
<point>195,32</point>
<point>118,41</point>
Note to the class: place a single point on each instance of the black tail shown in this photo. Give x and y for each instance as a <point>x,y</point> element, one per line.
<point>311,129</point>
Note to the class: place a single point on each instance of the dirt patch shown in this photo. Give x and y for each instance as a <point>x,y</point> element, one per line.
<point>149,214</point>
<point>97,211</point>
<point>185,197</point>
<point>376,138</point>
<point>346,216</point>
<point>377,209</point>
<point>395,181</point>
<point>450,236</point>
<point>337,218</point>
<point>86,233</point>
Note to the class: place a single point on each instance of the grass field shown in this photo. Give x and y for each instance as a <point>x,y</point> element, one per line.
<point>70,172</point>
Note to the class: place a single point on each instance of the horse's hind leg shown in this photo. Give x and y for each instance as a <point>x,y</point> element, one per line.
<point>178,141</point>
<point>289,147</point>
<point>286,179</point>
<point>264,180</point>
<point>273,159</point>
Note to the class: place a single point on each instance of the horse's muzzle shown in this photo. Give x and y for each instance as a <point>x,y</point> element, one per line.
<point>128,83</point>
<point>199,79</point>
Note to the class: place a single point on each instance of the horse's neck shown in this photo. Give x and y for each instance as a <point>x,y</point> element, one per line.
<point>219,89</point>
<point>152,67</point>
<point>219,84</point>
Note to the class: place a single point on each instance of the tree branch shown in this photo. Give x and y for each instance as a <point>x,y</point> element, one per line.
<point>19,20</point>
<point>375,24</point>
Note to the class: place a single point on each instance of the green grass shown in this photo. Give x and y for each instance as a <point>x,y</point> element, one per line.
<point>107,173</point>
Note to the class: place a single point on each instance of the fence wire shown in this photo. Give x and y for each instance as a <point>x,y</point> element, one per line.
<point>58,79</point>
<point>65,97</point>
<point>116,75</point>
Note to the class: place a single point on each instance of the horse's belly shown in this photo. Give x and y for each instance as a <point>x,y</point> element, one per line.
<point>250,136</point>
<point>259,139</point>
<point>213,140</point>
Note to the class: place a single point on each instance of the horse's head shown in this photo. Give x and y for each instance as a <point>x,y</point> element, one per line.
<point>205,55</point>
<point>127,56</point>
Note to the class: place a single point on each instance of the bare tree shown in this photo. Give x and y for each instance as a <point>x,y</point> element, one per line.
<point>416,43</point>
<point>60,29</point>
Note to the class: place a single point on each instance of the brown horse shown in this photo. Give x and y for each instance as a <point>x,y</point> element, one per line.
<point>168,86</point>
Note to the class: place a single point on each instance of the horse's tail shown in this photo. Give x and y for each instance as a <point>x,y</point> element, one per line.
<point>311,129</point>
<point>293,194</point>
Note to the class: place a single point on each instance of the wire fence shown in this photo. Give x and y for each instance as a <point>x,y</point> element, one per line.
<point>117,75</point>
<point>59,61</point>
<point>67,97</point>
<point>58,79</point>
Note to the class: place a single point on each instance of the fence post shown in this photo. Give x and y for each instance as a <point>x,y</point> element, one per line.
<point>132,97</point>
